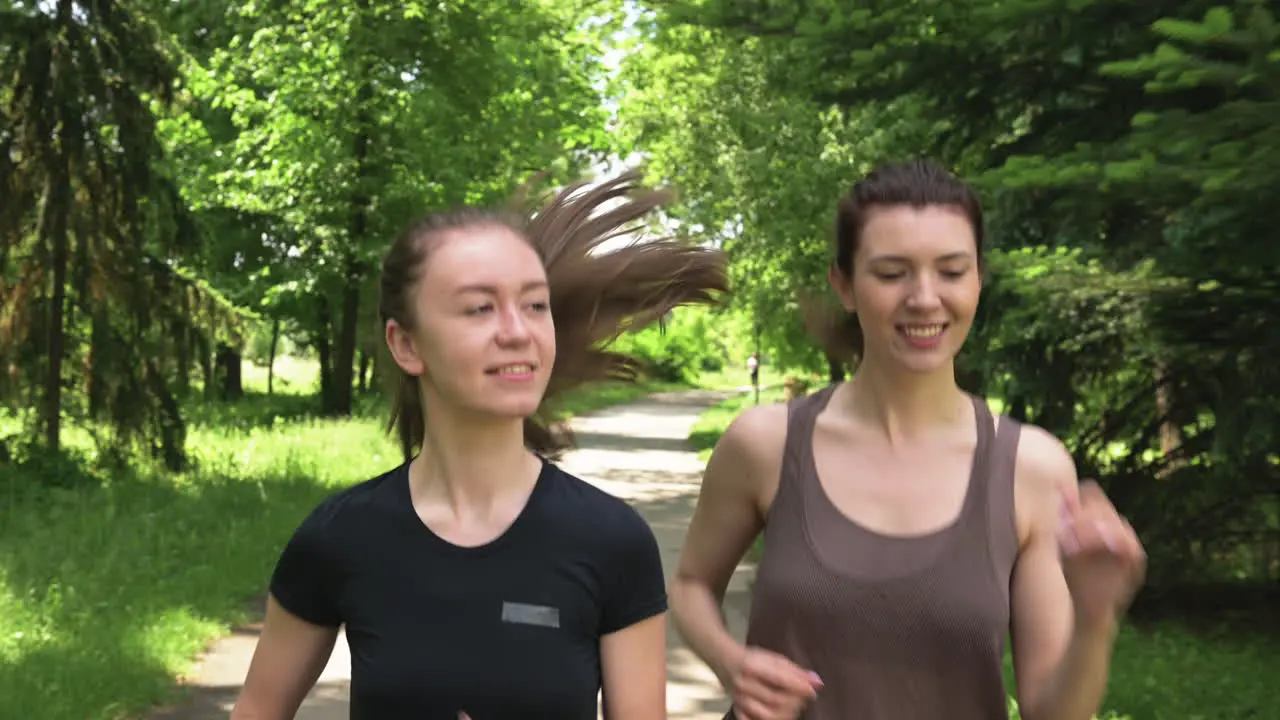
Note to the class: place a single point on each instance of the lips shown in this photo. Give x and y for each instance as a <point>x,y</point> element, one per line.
<point>512,369</point>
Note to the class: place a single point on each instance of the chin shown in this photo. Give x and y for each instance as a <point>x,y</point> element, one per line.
<point>520,405</point>
<point>510,410</point>
<point>926,364</point>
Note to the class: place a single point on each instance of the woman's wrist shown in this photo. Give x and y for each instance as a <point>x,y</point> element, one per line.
<point>728,658</point>
<point>1101,628</point>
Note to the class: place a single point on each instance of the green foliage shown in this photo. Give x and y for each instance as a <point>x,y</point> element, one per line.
<point>1139,137</point>
<point>311,134</point>
<point>97,243</point>
<point>693,341</point>
<point>759,171</point>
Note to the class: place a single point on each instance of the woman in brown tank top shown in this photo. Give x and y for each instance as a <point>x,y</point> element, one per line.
<point>906,530</point>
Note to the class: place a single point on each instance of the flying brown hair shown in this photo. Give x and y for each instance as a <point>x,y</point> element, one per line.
<point>596,295</point>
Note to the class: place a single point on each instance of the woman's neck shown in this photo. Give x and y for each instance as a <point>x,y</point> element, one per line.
<point>904,405</point>
<point>472,464</point>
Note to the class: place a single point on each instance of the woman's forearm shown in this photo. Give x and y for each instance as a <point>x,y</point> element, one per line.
<point>1078,684</point>
<point>701,624</point>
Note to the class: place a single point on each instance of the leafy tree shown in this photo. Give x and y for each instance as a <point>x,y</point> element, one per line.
<point>94,234</point>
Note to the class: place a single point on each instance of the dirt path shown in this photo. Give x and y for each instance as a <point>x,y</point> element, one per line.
<point>636,451</point>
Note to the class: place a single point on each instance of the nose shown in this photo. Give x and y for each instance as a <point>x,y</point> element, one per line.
<point>513,329</point>
<point>924,293</point>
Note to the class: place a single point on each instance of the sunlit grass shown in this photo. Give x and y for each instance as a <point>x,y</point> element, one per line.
<point>107,590</point>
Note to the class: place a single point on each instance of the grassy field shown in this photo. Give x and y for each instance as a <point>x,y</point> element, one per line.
<point>714,421</point>
<point>112,583</point>
<point>1161,670</point>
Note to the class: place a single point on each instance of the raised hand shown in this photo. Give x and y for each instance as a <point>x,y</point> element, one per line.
<point>1102,558</point>
<point>768,686</point>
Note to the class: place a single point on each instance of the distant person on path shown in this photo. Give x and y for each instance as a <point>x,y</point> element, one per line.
<point>753,365</point>
<point>478,579</point>
<point>906,529</point>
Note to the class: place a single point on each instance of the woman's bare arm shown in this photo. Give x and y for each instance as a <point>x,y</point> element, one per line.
<point>1061,665</point>
<point>290,655</point>
<point>743,468</point>
<point>633,665</point>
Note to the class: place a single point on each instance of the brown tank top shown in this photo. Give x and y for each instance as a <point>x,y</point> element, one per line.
<point>899,628</point>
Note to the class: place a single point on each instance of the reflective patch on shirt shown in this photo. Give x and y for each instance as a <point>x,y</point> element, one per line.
<point>524,614</point>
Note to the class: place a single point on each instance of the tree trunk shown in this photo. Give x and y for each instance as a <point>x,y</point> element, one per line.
<point>364,371</point>
<point>53,224</point>
<point>353,268</point>
<point>184,350</point>
<point>321,341</point>
<point>271,356</point>
<point>1170,433</point>
<point>98,339</point>
<point>173,429</point>
<point>206,366</point>
<point>231,364</point>
<point>184,358</point>
<point>344,361</point>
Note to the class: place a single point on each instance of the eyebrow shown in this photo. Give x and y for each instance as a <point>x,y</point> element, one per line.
<point>902,259</point>
<point>494,290</point>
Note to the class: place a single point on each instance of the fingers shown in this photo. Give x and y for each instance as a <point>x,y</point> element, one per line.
<point>1088,521</point>
<point>784,676</point>
<point>771,687</point>
<point>1135,554</point>
<point>1069,499</point>
<point>752,708</point>
<point>1100,532</point>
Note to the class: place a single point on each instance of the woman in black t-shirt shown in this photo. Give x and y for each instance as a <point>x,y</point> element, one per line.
<point>477,578</point>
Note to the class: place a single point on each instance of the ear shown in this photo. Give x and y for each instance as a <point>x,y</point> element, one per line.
<point>403,351</point>
<point>843,285</point>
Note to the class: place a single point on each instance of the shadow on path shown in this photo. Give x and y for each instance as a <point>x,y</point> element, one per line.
<point>632,443</point>
<point>327,701</point>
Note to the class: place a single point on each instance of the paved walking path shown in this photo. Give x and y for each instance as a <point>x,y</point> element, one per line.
<point>636,451</point>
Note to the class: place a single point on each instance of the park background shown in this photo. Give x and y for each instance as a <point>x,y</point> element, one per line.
<point>194,197</point>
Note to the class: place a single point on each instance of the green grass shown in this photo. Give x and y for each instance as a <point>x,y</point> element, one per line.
<point>712,423</point>
<point>112,583</point>
<point>293,376</point>
<point>725,379</point>
<point>1165,671</point>
<point>1162,670</point>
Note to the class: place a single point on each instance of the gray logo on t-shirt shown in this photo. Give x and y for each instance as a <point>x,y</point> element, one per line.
<point>524,614</point>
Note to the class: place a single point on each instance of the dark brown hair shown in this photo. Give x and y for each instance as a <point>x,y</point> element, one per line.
<point>595,296</point>
<point>917,183</point>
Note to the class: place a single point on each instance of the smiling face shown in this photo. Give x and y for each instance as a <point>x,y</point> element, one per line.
<point>483,338</point>
<point>914,285</point>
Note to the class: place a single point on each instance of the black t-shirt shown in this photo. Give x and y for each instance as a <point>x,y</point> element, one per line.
<point>510,629</point>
